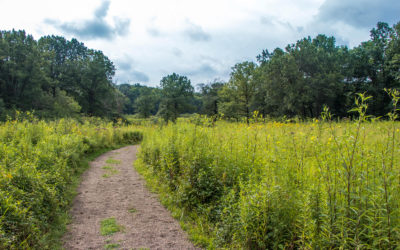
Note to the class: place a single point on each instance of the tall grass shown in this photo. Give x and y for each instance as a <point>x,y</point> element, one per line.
<point>320,184</point>
<point>38,162</point>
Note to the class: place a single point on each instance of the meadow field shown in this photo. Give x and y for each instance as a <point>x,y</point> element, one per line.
<point>40,165</point>
<point>321,184</point>
<point>318,184</point>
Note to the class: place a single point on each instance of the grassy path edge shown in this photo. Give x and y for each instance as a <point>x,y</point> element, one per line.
<point>194,226</point>
<point>52,240</point>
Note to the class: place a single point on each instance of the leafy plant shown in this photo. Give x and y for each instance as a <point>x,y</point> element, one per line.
<point>109,226</point>
<point>319,184</point>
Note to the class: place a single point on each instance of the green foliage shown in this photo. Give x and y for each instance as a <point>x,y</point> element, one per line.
<point>39,162</point>
<point>113,161</point>
<point>132,137</point>
<point>132,210</point>
<point>176,92</point>
<point>109,226</point>
<point>210,98</point>
<point>313,185</point>
<point>56,77</point>
<point>243,86</point>
<point>107,167</point>
<point>313,72</point>
<point>112,246</point>
<point>2,109</point>
<point>110,171</point>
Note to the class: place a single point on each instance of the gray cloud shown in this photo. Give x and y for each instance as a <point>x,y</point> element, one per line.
<point>96,27</point>
<point>300,29</point>
<point>153,32</point>
<point>138,76</point>
<point>359,13</point>
<point>131,75</point>
<point>177,52</point>
<point>121,26</point>
<point>124,65</point>
<point>267,20</point>
<point>127,73</point>
<point>196,32</point>
<point>204,70</point>
<point>101,11</point>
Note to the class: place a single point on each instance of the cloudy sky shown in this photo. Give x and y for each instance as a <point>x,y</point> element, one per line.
<point>201,39</point>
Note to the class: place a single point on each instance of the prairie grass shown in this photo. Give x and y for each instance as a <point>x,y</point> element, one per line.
<point>40,165</point>
<point>320,184</point>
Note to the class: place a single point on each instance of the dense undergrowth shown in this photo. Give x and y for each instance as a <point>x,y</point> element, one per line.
<point>39,163</point>
<point>313,185</point>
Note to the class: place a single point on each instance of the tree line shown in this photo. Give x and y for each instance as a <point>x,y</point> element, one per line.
<point>56,77</point>
<point>297,81</point>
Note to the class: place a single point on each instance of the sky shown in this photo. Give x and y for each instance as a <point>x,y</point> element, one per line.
<point>201,39</point>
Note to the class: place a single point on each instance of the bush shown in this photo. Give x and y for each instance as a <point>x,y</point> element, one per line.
<point>274,185</point>
<point>38,163</point>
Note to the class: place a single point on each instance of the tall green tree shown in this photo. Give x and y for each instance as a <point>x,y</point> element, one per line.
<point>147,102</point>
<point>210,98</point>
<point>176,92</point>
<point>132,92</point>
<point>379,74</point>
<point>238,96</point>
<point>22,79</point>
<point>302,79</point>
<point>320,60</point>
<point>281,90</point>
<point>393,57</point>
<point>97,88</point>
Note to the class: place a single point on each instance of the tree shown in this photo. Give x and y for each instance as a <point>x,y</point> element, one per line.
<point>393,55</point>
<point>175,96</point>
<point>228,106</point>
<point>242,86</point>
<point>281,89</point>
<point>302,79</point>
<point>132,92</point>
<point>96,84</point>
<point>321,62</point>
<point>374,68</point>
<point>22,79</point>
<point>146,104</point>
<point>210,98</point>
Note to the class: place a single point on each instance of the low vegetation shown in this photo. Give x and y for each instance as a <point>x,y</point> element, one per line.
<point>320,184</point>
<point>39,163</point>
<point>109,226</point>
<point>113,161</point>
<point>110,172</point>
<point>112,246</point>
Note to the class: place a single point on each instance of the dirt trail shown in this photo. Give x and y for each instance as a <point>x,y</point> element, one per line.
<point>121,194</point>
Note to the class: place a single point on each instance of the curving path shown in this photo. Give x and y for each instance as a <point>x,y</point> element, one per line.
<point>112,188</point>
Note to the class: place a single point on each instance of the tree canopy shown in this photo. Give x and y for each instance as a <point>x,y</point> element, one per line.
<point>57,77</point>
<point>176,93</point>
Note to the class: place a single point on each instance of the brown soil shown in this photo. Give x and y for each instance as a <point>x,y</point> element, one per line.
<point>149,225</point>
